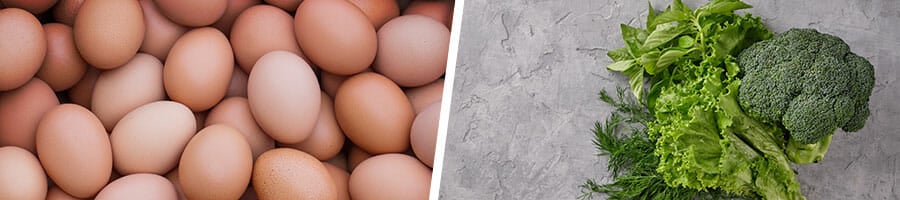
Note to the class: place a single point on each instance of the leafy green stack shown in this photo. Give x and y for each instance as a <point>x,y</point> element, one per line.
<point>704,145</point>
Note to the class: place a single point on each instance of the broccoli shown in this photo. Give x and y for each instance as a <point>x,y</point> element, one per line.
<point>808,81</point>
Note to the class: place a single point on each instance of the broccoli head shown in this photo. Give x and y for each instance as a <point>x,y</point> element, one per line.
<point>808,81</point>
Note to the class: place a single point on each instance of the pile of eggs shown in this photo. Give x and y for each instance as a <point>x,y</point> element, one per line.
<point>220,99</point>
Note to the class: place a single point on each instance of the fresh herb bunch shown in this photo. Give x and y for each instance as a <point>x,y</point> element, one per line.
<point>623,137</point>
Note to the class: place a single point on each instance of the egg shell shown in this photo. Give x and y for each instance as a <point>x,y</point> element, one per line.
<point>284,96</point>
<point>22,38</point>
<point>287,5</point>
<point>139,186</point>
<point>235,112</point>
<point>21,175</point>
<point>378,11</point>
<point>120,90</point>
<point>355,156</point>
<point>150,138</point>
<point>63,66</point>
<point>341,47</point>
<point>259,30</point>
<point>33,6</point>
<point>439,10</point>
<point>374,113</point>
<point>108,32</point>
<point>65,11</point>
<point>20,112</point>
<point>341,179</point>
<point>193,13</point>
<point>198,69</point>
<point>286,173</point>
<point>82,92</point>
<point>390,176</point>
<point>422,96</point>
<point>412,50</point>
<point>161,33</point>
<point>232,10</point>
<point>423,135</point>
<point>326,139</point>
<point>74,150</point>
<point>173,177</point>
<point>54,193</point>
<point>216,164</point>
<point>238,85</point>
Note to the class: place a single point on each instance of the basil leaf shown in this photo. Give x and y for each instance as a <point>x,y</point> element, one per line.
<point>651,14</point>
<point>619,54</point>
<point>649,60</point>
<point>620,66</point>
<point>663,33</point>
<point>679,6</point>
<point>632,41</point>
<point>668,58</point>
<point>685,42</point>
<point>671,16</point>
<point>636,80</point>
<point>722,7</point>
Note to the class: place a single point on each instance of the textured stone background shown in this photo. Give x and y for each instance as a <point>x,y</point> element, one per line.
<point>524,96</point>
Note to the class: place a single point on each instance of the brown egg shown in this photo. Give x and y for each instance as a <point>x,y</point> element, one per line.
<point>286,173</point>
<point>422,96</point>
<point>161,33</point>
<point>21,175</point>
<point>62,66</point>
<point>83,91</point>
<point>173,177</point>
<point>235,112</point>
<point>238,85</point>
<point>356,156</point>
<point>374,113</point>
<point>341,179</point>
<point>65,11</point>
<point>22,38</point>
<point>74,150</point>
<point>199,68</point>
<point>284,96</point>
<point>123,89</point>
<point>259,30</point>
<point>22,109</point>
<point>216,164</point>
<point>33,6</point>
<point>438,10</point>
<point>378,11</point>
<point>287,5</point>
<point>54,193</point>
<point>341,47</point>
<point>326,139</point>
<point>193,13</point>
<point>150,138</point>
<point>412,50</point>
<point>423,135</point>
<point>137,187</point>
<point>108,32</point>
<point>234,8</point>
<point>390,176</point>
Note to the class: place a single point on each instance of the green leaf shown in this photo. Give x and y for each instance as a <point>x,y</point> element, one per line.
<point>621,66</point>
<point>631,36</point>
<point>722,7</point>
<point>648,60</point>
<point>636,81</point>
<point>619,54</point>
<point>651,15</point>
<point>671,16</point>
<point>668,58</point>
<point>663,33</point>
<point>679,6</point>
<point>685,42</point>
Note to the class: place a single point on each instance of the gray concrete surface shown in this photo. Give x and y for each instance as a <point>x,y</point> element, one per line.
<point>524,96</point>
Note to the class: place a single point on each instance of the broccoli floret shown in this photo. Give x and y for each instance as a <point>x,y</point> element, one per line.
<point>808,81</point>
